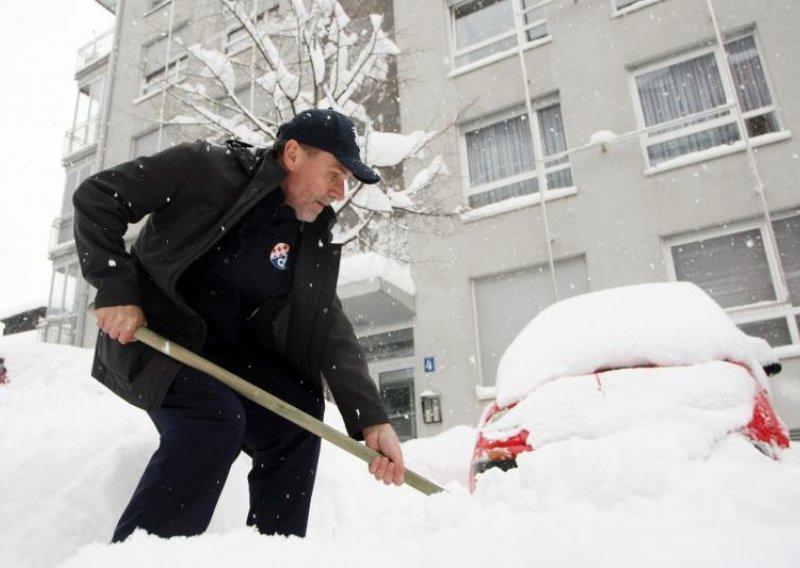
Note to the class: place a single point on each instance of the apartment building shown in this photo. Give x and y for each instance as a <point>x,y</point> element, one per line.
<point>127,107</point>
<point>595,144</point>
<point>589,144</point>
<point>82,157</point>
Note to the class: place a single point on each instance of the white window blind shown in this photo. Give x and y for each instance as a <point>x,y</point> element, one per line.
<point>693,89</point>
<point>505,303</point>
<point>739,271</point>
<point>500,155</point>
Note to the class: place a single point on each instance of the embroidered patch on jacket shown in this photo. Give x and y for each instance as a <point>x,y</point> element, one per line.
<point>279,256</point>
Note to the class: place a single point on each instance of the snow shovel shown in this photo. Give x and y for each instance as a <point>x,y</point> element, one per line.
<point>273,403</point>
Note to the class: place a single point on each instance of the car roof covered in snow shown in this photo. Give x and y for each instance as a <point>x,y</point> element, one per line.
<point>664,324</point>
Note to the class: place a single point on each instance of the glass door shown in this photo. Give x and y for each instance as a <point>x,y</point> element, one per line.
<point>397,391</point>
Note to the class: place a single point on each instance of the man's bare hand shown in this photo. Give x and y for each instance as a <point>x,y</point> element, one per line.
<point>389,467</point>
<point>121,322</point>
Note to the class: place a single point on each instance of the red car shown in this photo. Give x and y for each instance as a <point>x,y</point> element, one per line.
<point>631,357</point>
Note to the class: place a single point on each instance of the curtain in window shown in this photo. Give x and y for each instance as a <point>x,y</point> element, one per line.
<point>499,150</point>
<point>554,140</point>
<point>551,128</point>
<point>681,89</point>
<point>732,269</point>
<point>787,233</point>
<point>751,82</point>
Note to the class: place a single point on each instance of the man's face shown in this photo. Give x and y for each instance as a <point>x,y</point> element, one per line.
<point>314,179</point>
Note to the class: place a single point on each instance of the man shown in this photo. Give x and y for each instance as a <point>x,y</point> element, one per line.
<point>235,261</point>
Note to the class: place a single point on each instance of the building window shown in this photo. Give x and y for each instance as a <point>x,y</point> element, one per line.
<point>86,120</point>
<point>482,28</point>
<point>236,37</point>
<point>741,273</point>
<point>620,4</point>
<point>500,155</point>
<point>689,97</point>
<point>147,143</point>
<point>59,325</point>
<point>164,62</point>
<point>499,319</point>
<point>388,345</point>
<point>76,172</point>
<point>63,226</point>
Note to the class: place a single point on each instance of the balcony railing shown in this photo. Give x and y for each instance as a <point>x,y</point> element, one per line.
<point>58,329</point>
<point>99,47</point>
<point>62,231</point>
<point>81,136</point>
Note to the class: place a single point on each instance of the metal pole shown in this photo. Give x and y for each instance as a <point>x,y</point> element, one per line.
<point>166,76</point>
<point>541,178</point>
<point>751,159</point>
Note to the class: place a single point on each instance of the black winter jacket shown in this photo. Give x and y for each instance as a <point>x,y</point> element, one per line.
<point>193,193</point>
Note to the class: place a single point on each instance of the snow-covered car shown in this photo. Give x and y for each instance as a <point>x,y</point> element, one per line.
<point>662,358</point>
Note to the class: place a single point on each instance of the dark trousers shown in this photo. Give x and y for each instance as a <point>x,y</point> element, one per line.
<point>203,426</point>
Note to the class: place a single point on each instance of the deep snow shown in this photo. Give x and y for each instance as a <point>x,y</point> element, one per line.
<point>71,453</point>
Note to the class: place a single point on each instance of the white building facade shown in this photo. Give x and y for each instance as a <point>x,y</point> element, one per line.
<point>661,135</point>
<point>589,143</point>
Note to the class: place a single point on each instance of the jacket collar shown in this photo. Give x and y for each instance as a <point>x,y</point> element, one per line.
<point>258,163</point>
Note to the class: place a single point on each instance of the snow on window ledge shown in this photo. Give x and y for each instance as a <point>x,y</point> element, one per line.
<point>787,351</point>
<point>716,152</point>
<point>148,95</point>
<point>633,8</point>
<point>515,203</point>
<point>485,393</point>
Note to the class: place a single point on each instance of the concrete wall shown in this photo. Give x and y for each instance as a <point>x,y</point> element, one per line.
<point>619,216</point>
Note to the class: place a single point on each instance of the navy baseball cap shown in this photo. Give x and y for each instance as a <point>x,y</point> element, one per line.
<point>333,132</point>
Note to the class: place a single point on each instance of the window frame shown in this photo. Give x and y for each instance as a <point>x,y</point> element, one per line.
<point>632,7</point>
<point>468,190</point>
<point>89,125</point>
<point>155,6</point>
<point>231,25</point>
<point>781,307</point>
<point>170,72</point>
<point>672,130</point>
<point>73,178</point>
<point>511,33</point>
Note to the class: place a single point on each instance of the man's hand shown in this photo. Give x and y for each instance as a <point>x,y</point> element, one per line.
<point>389,467</point>
<point>120,322</point>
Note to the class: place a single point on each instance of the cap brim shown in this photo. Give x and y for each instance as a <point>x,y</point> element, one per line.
<point>360,170</point>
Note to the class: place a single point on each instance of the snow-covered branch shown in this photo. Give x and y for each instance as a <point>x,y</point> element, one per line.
<point>305,54</point>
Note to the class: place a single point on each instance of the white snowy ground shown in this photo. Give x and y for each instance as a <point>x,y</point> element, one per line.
<point>71,453</point>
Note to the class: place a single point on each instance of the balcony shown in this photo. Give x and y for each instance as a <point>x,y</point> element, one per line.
<point>96,49</point>
<point>59,328</point>
<point>61,232</point>
<point>82,136</point>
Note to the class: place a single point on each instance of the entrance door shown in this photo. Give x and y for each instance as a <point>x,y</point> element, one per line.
<point>397,391</point>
